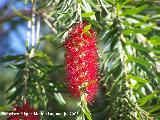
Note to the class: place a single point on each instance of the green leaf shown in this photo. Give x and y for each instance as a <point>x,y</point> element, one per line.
<point>59,98</point>
<point>116,82</point>
<point>155,108</point>
<point>157,117</point>
<point>16,93</point>
<point>137,46</point>
<point>127,32</point>
<point>20,14</point>
<point>88,14</point>
<point>134,31</point>
<point>79,1</point>
<point>91,2</point>
<point>11,58</point>
<point>17,80</point>
<point>86,6</point>
<point>95,23</point>
<point>134,10</point>
<point>110,1</point>
<point>138,79</point>
<point>137,87</point>
<point>155,40</point>
<point>138,60</point>
<point>86,28</point>
<point>103,6</point>
<point>86,111</point>
<point>142,31</point>
<point>145,99</point>
<point>4,108</point>
<point>155,51</point>
<point>84,107</point>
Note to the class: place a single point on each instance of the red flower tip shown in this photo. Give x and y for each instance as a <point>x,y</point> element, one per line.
<point>81,62</point>
<point>24,113</point>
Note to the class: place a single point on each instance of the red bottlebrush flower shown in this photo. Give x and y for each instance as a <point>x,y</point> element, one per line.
<point>24,113</point>
<point>81,62</point>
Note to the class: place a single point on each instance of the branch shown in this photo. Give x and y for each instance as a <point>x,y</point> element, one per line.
<point>25,13</point>
<point>14,14</point>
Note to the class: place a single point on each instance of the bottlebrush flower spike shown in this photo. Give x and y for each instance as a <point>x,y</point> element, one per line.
<point>81,61</point>
<point>24,109</point>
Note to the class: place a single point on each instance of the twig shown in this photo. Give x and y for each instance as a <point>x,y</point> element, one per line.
<point>79,12</point>
<point>38,29</point>
<point>25,13</point>
<point>33,23</point>
<point>50,25</point>
<point>14,14</point>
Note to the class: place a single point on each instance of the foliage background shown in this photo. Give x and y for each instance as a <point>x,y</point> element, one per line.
<point>128,39</point>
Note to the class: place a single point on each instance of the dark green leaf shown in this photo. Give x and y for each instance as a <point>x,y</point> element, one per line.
<point>95,23</point>
<point>11,58</point>
<point>18,92</point>
<point>138,60</point>
<point>137,46</point>
<point>17,80</point>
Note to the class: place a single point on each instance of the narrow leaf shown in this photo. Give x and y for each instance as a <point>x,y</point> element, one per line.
<point>86,112</point>
<point>91,2</point>
<point>138,60</point>
<point>86,28</point>
<point>88,14</point>
<point>155,40</point>
<point>79,1</point>
<point>11,58</point>
<point>134,10</point>
<point>95,23</point>
<point>127,32</point>
<point>138,79</point>
<point>145,99</point>
<point>134,31</point>
<point>155,109</point>
<point>137,46</point>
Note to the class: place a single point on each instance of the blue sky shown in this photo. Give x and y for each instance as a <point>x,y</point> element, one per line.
<point>12,40</point>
